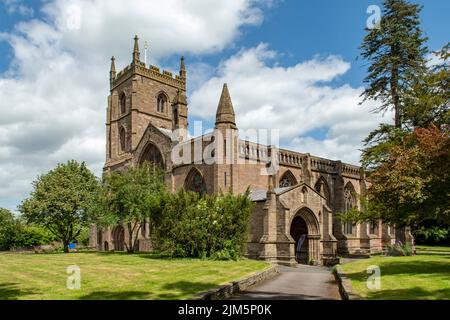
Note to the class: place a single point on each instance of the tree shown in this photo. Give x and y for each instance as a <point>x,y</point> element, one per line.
<point>413,185</point>
<point>396,55</point>
<point>428,102</point>
<point>8,229</point>
<point>129,197</point>
<point>62,200</point>
<point>408,160</point>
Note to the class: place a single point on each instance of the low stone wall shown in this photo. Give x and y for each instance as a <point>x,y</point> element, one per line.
<point>37,249</point>
<point>345,285</point>
<point>235,287</point>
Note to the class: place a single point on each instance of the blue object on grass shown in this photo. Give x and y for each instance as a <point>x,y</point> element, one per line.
<point>72,245</point>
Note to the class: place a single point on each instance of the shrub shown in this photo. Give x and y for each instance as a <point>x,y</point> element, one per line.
<point>30,236</point>
<point>14,233</point>
<point>435,235</point>
<point>203,226</point>
<point>398,249</point>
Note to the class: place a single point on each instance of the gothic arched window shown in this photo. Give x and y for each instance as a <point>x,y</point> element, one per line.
<point>122,102</point>
<point>287,180</point>
<point>122,139</point>
<point>153,155</point>
<point>194,182</point>
<point>161,102</point>
<point>349,203</point>
<point>322,188</point>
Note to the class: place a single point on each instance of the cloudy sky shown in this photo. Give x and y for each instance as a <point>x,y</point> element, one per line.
<point>289,65</point>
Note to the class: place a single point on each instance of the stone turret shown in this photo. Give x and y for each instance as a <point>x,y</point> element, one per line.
<point>225,116</point>
<point>179,110</point>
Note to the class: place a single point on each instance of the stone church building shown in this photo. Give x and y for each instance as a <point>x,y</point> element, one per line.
<point>146,116</point>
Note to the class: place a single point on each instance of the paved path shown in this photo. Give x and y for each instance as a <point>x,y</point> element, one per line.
<point>299,283</point>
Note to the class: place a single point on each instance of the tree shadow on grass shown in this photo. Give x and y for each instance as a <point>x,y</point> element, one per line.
<point>413,268</point>
<point>184,289</point>
<point>11,291</point>
<point>439,270</point>
<point>180,289</point>
<point>121,295</point>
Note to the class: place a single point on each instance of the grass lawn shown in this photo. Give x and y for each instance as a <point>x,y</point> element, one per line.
<point>115,276</point>
<point>421,277</point>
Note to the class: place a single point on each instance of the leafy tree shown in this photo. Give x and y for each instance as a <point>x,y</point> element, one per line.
<point>396,54</point>
<point>8,229</point>
<point>62,200</point>
<point>129,197</point>
<point>412,184</point>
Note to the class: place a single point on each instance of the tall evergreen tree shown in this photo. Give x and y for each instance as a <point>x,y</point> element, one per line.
<point>396,54</point>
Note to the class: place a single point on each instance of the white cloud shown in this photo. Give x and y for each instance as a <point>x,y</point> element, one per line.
<point>296,99</point>
<point>53,96</point>
<point>17,6</point>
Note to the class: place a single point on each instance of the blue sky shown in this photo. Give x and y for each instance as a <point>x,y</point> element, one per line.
<point>290,65</point>
<point>299,29</point>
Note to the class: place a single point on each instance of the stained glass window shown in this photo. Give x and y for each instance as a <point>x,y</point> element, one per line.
<point>195,182</point>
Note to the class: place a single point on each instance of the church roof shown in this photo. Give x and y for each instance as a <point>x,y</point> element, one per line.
<point>261,194</point>
<point>225,112</point>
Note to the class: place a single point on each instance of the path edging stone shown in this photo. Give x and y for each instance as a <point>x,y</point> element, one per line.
<point>232,288</point>
<point>345,285</point>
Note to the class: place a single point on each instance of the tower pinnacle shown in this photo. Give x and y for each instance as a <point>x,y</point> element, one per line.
<point>136,53</point>
<point>112,72</point>
<point>225,112</point>
<point>182,68</point>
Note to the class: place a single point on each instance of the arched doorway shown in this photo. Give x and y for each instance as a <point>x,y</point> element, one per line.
<point>305,227</point>
<point>118,235</point>
<point>106,246</point>
<point>299,229</point>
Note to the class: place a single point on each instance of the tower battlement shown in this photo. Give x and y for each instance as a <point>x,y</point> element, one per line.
<point>137,67</point>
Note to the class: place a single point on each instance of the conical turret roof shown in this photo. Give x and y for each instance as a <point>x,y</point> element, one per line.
<point>225,112</point>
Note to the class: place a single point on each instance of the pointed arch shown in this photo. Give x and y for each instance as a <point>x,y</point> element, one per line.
<point>118,236</point>
<point>350,202</point>
<point>195,182</point>
<point>122,103</point>
<point>287,180</point>
<point>122,139</point>
<point>161,102</point>
<point>323,189</point>
<point>153,154</point>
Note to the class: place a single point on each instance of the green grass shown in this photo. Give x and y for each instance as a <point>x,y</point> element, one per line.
<point>424,276</point>
<point>115,276</point>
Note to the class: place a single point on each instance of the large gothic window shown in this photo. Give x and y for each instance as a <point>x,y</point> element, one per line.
<point>153,155</point>
<point>194,182</point>
<point>122,139</point>
<point>161,102</point>
<point>287,180</point>
<point>122,102</point>
<point>349,203</point>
